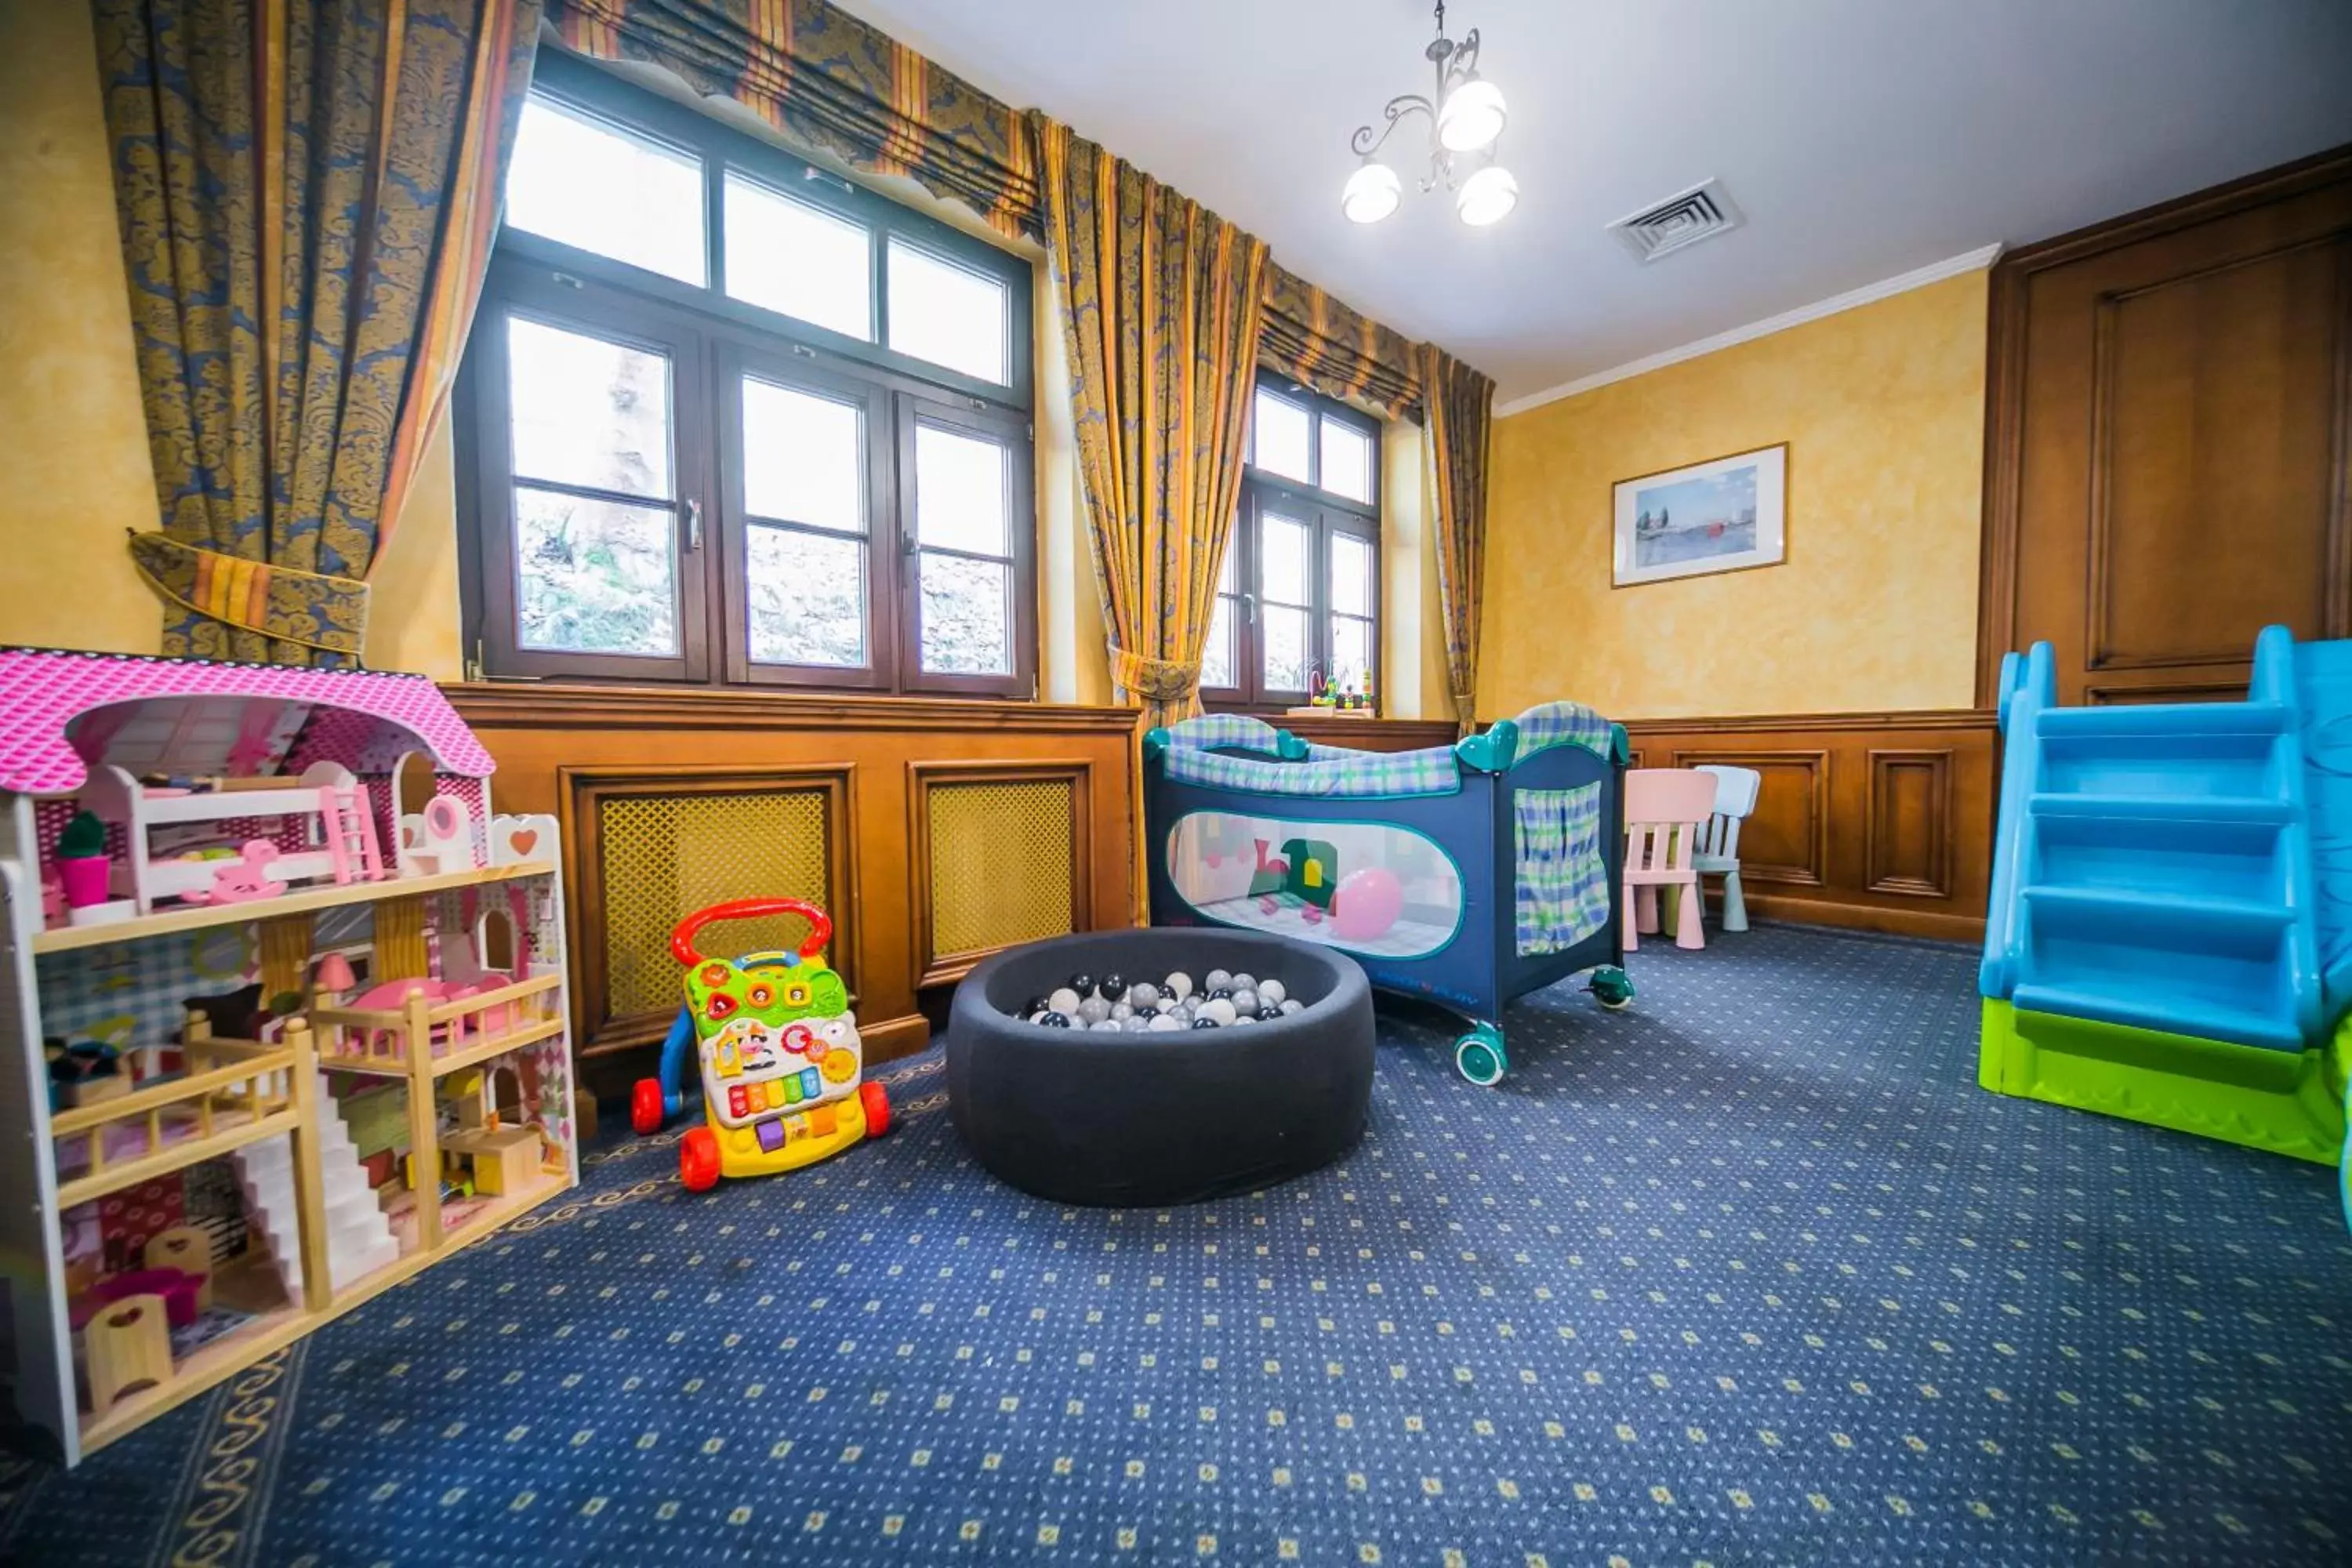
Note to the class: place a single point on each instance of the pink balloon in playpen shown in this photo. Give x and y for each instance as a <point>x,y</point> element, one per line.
<point>1368,901</point>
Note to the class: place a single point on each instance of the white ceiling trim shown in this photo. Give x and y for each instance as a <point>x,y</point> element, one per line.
<point>1885,287</point>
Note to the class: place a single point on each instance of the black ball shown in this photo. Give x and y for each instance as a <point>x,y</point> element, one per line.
<point>1114,987</point>
<point>1224,993</point>
<point>1083,984</point>
<point>1036,1004</point>
<point>1055,1021</point>
<point>1268,1014</point>
<point>1204,1023</point>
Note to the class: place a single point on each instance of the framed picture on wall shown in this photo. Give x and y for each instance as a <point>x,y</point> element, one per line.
<point>1721,516</point>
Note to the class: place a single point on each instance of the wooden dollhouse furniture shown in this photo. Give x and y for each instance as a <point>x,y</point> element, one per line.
<point>226,1058</point>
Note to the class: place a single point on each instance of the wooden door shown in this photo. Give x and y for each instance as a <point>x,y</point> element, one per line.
<point>2167,440</point>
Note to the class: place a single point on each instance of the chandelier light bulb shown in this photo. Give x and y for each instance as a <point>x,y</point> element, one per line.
<point>1372,193</point>
<point>1487,196</point>
<point>1472,117</point>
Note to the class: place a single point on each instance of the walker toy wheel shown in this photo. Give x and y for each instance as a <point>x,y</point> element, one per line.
<point>698,1160</point>
<point>1478,1056</point>
<point>876,1101</point>
<point>1613,988</point>
<point>645,1106</point>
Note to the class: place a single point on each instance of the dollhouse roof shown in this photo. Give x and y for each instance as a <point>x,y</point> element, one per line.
<point>61,710</point>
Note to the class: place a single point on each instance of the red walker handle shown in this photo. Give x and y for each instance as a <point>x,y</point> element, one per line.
<point>681,941</point>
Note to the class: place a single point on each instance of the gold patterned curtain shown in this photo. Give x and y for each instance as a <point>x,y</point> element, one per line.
<point>1458,406</point>
<point>1161,304</point>
<point>833,84</point>
<point>307,192</point>
<point>1321,342</point>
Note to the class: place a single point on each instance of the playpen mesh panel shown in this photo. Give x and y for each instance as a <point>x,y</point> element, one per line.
<point>667,855</point>
<point>1002,861</point>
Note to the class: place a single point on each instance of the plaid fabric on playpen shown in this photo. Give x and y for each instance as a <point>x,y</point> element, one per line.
<point>1563,880</point>
<point>1351,774</point>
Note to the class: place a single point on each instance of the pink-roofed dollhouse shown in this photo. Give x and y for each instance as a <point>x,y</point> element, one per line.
<point>243,901</point>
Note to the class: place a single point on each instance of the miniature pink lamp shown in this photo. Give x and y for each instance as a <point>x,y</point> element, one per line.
<point>335,978</point>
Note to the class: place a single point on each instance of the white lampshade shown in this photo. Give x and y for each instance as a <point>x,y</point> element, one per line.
<point>1371,195</point>
<point>1486,197</point>
<point>1472,116</point>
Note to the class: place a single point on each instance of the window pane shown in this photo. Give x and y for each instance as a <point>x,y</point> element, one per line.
<point>960,491</point>
<point>1284,638</point>
<point>1282,546</point>
<point>588,412</point>
<point>804,457</point>
<point>1281,430</point>
<point>787,255</point>
<point>1217,661</point>
<point>1352,651</point>
<point>595,576</point>
<point>593,185</point>
<point>1351,575</point>
<point>1347,461</point>
<point>948,315</point>
<point>807,597</point>
<point>967,616</point>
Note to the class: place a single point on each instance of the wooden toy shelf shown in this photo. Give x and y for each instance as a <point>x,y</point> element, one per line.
<point>64,939</point>
<point>234,1092</point>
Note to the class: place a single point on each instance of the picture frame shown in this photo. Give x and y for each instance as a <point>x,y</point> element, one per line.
<point>1726,514</point>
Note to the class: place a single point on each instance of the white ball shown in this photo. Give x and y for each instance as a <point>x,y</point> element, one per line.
<point>1142,993</point>
<point>1242,983</point>
<point>1220,1009</point>
<point>1271,991</point>
<point>1177,985</point>
<point>1293,1004</point>
<point>1244,1001</point>
<point>1163,1024</point>
<point>1065,1001</point>
<point>1094,1009</point>
<point>1240,1018</point>
<point>1121,1011</point>
<point>1134,1024</point>
<point>1217,978</point>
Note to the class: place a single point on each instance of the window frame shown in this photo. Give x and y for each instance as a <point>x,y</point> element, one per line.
<point>711,341</point>
<point>1325,513</point>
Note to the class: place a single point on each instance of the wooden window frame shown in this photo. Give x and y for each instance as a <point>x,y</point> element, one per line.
<point>712,341</point>
<point>1326,514</point>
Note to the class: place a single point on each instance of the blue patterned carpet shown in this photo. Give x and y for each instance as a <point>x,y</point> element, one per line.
<point>1750,1274</point>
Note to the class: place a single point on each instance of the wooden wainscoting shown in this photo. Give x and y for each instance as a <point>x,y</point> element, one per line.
<point>1017,815</point>
<point>1879,821</point>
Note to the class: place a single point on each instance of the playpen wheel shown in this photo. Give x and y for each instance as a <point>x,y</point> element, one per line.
<point>1478,1056</point>
<point>698,1160</point>
<point>1613,987</point>
<point>876,1101</point>
<point>645,1106</point>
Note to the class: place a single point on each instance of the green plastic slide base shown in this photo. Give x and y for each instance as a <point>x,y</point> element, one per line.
<point>2287,1102</point>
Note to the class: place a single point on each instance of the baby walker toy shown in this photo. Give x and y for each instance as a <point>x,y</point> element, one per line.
<point>778,1056</point>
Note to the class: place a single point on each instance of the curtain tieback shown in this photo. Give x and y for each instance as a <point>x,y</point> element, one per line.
<point>328,613</point>
<point>1153,679</point>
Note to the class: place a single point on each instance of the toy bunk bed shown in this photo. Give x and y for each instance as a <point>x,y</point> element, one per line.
<point>1468,875</point>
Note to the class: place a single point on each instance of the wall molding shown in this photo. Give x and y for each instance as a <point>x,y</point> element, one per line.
<point>1975,261</point>
<point>530,705</point>
<point>1873,821</point>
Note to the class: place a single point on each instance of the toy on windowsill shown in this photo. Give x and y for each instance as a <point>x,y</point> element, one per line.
<point>241,879</point>
<point>86,873</point>
<point>778,1053</point>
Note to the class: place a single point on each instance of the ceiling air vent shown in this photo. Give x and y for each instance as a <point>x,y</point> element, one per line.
<point>1700,213</point>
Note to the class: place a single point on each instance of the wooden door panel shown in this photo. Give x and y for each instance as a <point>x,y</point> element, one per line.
<point>2209,474</point>
<point>2169,426</point>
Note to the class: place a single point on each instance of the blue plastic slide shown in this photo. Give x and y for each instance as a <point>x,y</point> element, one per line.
<point>2169,933</point>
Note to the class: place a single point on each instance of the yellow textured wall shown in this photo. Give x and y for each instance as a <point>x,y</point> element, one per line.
<point>1883,409</point>
<point>79,474</point>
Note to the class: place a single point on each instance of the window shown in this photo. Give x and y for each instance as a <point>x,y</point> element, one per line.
<point>1298,596</point>
<point>730,420</point>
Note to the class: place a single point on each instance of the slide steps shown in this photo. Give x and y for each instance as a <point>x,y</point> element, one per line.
<point>359,1235</point>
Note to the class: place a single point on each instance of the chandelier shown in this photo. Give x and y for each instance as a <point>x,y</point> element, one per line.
<point>1465,115</point>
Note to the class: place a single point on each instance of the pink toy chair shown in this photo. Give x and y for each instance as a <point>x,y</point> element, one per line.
<point>1665,809</point>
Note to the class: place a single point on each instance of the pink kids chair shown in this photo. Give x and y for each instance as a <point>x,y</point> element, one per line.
<point>1665,811</point>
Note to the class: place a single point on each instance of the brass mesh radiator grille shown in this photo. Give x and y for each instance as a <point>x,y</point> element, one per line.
<point>1001,863</point>
<point>666,856</point>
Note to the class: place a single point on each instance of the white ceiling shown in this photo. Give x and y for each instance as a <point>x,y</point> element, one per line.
<point>1862,138</point>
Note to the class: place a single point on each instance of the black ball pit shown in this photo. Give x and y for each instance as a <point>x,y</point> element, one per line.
<point>1146,1120</point>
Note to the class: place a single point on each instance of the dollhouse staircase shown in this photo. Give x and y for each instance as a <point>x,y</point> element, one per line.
<point>359,1235</point>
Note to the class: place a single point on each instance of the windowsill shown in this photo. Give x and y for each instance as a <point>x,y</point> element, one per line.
<point>581,704</point>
